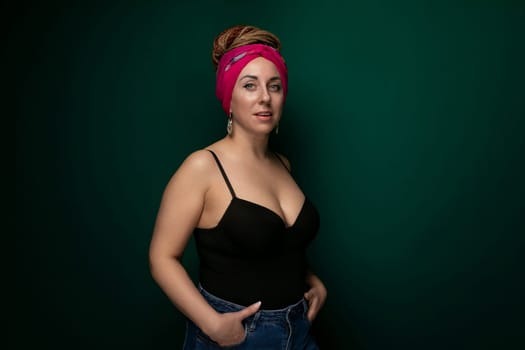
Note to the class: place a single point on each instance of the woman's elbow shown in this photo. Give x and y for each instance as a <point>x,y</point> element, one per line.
<point>161,261</point>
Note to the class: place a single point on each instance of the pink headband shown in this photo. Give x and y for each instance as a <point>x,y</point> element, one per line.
<point>232,63</point>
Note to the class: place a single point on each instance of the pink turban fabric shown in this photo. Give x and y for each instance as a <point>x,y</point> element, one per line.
<point>232,63</point>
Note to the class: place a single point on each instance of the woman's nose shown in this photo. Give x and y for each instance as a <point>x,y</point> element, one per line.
<point>265,95</point>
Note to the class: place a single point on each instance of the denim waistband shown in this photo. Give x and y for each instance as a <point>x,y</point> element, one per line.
<point>291,312</point>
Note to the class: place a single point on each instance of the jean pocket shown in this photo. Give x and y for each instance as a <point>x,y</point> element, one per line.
<point>205,339</point>
<point>305,313</point>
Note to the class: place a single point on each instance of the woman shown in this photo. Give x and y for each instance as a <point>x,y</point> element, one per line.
<point>251,221</point>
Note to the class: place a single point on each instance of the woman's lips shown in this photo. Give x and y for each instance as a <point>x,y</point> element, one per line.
<point>264,115</point>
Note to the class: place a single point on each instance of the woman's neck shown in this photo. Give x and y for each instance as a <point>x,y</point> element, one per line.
<point>249,146</point>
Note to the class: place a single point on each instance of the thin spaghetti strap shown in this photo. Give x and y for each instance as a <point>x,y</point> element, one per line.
<point>223,173</point>
<point>282,161</point>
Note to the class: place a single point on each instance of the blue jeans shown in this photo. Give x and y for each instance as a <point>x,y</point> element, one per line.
<point>286,329</point>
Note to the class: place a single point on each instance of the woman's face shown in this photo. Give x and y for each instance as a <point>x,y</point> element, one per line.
<point>257,98</point>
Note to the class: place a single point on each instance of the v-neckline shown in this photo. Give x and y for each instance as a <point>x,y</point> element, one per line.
<point>285,224</point>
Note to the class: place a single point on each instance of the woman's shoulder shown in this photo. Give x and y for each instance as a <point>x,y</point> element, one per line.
<point>203,159</point>
<point>198,161</point>
<point>194,172</point>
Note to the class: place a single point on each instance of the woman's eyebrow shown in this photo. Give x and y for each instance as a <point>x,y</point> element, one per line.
<point>255,77</point>
<point>249,76</point>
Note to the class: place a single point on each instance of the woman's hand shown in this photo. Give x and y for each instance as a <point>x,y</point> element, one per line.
<point>229,329</point>
<point>316,296</point>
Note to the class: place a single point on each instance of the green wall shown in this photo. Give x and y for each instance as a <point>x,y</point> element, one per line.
<point>404,124</point>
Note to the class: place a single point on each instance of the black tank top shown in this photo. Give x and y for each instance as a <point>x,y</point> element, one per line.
<point>253,255</point>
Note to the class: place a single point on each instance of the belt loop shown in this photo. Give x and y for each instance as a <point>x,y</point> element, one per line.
<point>253,324</point>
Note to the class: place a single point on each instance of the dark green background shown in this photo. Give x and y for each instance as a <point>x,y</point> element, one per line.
<point>404,124</point>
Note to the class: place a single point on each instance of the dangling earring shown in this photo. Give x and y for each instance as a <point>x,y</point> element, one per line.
<point>277,129</point>
<point>229,126</point>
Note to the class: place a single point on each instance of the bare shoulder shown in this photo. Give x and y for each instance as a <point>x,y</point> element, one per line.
<point>195,168</point>
<point>198,161</point>
<point>285,161</point>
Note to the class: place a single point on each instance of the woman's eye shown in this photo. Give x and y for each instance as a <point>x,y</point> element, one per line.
<point>249,86</point>
<point>275,87</point>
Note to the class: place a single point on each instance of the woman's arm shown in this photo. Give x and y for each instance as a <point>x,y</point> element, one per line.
<point>316,295</point>
<point>179,213</point>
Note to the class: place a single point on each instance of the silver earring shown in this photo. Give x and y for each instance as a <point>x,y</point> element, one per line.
<point>277,129</point>
<point>229,126</point>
